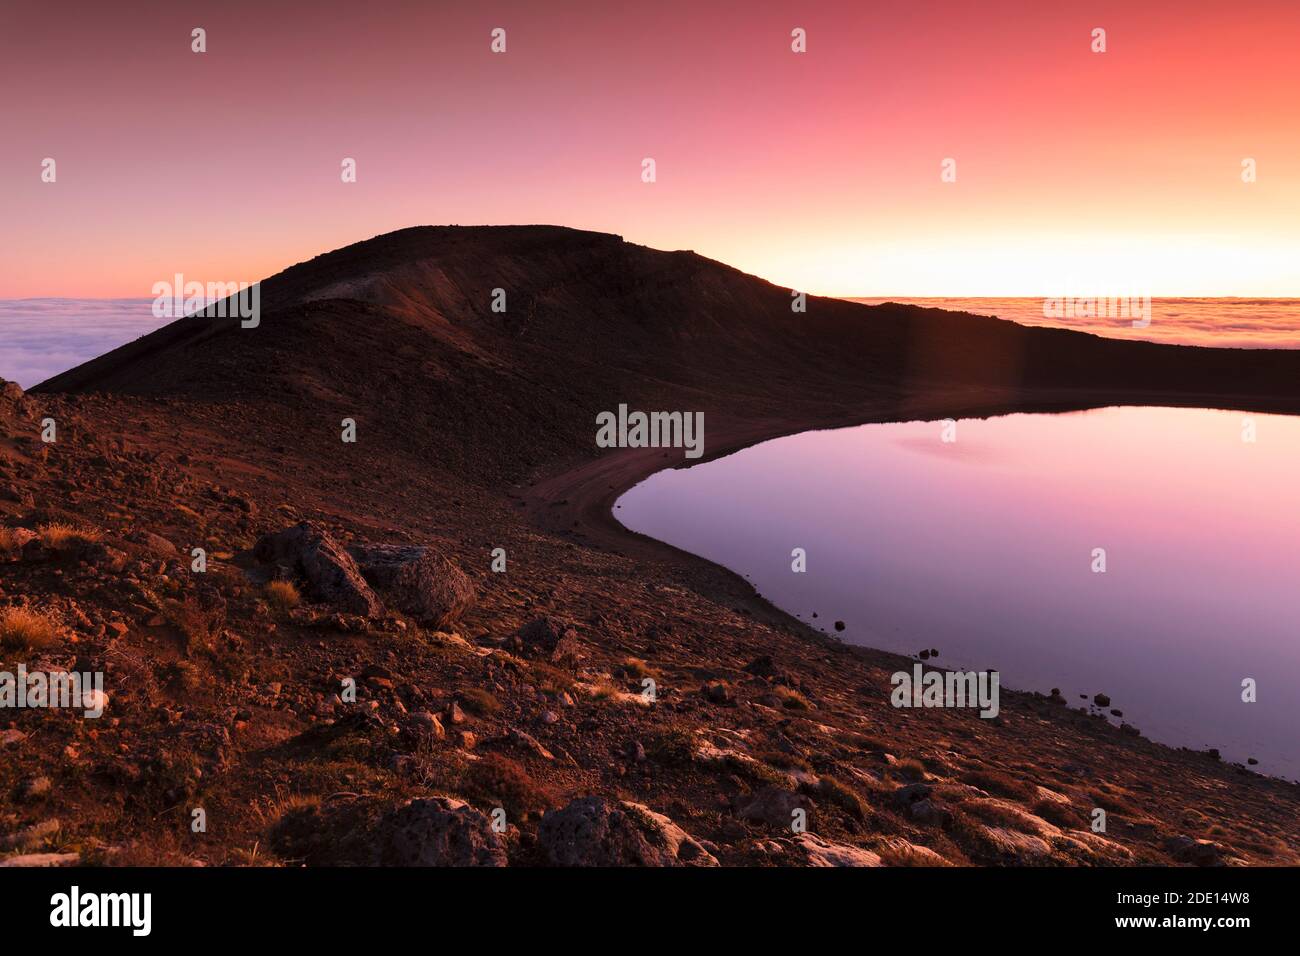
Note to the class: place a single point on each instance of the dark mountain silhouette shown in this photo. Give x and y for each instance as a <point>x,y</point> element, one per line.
<point>399,330</point>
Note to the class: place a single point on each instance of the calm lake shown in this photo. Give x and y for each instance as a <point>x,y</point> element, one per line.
<point>984,547</point>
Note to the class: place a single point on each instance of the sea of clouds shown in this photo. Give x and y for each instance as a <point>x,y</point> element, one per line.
<point>42,337</point>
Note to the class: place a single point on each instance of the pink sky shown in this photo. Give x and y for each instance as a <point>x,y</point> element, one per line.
<point>1075,171</point>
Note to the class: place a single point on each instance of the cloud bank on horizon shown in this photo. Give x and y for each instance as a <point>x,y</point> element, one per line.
<point>40,338</point>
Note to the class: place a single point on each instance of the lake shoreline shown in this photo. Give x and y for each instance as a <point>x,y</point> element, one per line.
<point>579,500</point>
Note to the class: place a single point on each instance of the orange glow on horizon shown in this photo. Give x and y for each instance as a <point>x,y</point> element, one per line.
<point>820,171</point>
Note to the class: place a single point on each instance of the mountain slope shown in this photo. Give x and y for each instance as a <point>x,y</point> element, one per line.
<point>475,432</point>
<point>400,329</point>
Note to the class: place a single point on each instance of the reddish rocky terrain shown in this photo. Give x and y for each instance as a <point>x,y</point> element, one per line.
<point>516,697</point>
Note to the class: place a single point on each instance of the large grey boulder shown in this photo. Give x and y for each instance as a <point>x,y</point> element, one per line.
<point>596,831</point>
<point>309,551</point>
<point>418,581</point>
<point>548,639</point>
<point>440,831</point>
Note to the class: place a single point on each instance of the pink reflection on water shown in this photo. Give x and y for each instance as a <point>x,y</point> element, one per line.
<point>983,549</point>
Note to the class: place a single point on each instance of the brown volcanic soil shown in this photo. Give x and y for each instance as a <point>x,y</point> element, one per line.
<point>475,431</point>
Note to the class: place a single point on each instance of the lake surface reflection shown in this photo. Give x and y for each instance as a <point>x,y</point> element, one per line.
<point>984,548</point>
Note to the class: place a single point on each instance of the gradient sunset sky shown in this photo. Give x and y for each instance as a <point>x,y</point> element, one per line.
<point>1076,171</point>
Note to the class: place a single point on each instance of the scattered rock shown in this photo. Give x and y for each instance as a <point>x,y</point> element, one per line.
<point>549,639</point>
<point>596,831</point>
<point>819,852</point>
<point>42,859</point>
<point>910,793</point>
<point>440,831</point>
<point>774,806</point>
<point>428,725</point>
<point>1185,849</point>
<point>930,812</point>
<point>418,581</point>
<point>19,537</point>
<point>156,543</point>
<point>634,750</point>
<point>763,666</point>
<point>527,743</point>
<point>310,551</point>
<point>716,692</point>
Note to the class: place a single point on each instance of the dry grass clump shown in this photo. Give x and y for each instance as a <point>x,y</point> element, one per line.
<point>551,680</point>
<point>498,781</point>
<point>791,699</point>
<point>636,668</point>
<point>282,595</point>
<point>911,770</point>
<point>844,797</point>
<point>1000,785</point>
<point>58,536</point>
<point>783,760</point>
<point>673,746</point>
<point>26,629</point>
<point>1005,817</point>
<point>1064,815</point>
<point>478,702</point>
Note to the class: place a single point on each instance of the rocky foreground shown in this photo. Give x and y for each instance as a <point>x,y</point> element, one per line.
<point>343,674</point>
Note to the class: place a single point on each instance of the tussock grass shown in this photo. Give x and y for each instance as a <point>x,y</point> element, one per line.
<point>1064,815</point>
<point>1001,785</point>
<point>673,746</point>
<point>783,760</point>
<point>26,629</point>
<point>996,815</point>
<point>58,536</point>
<point>637,668</point>
<point>844,797</point>
<point>551,680</point>
<point>911,770</point>
<point>282,595</point>
<point>478,702</point>
<point>791,699</point>
<point>496,780</point>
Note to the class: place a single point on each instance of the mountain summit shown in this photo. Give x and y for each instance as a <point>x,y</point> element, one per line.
<point>530,331</point>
